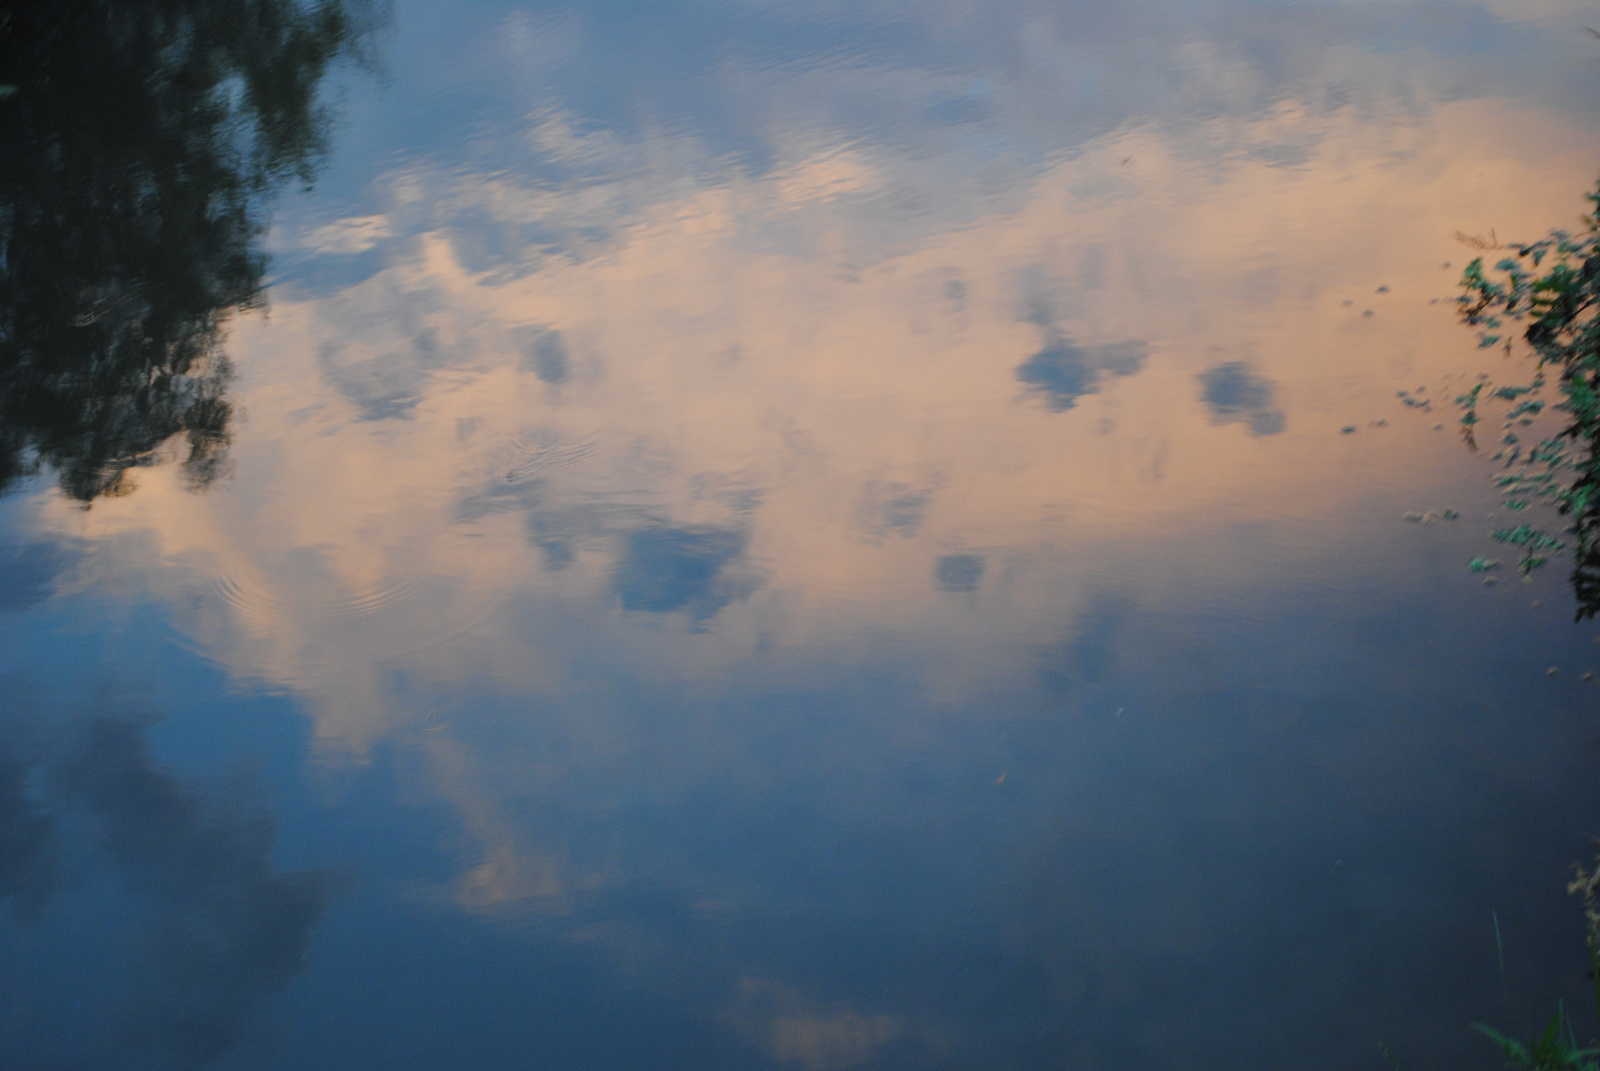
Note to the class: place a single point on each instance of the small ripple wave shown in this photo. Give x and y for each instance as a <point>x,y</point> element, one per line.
<point>314,601</point>
<point>531,453</point>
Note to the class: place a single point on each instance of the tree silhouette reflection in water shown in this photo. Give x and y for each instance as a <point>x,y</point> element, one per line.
<point>143,138</point>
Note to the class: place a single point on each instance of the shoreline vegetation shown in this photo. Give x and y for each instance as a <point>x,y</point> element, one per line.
<point>1556,1047</point>
<point>1550,290</point>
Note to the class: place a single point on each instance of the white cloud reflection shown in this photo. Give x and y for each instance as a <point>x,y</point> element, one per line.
<point>674,421</point>
<point>734,360</point>
<point>626,436</point>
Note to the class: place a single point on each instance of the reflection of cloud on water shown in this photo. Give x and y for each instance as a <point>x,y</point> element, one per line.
<point>669,569</point>
<point>798,1030</point>
<point>846,378</point>
<point>1089,655</point>
<point>222,929</point>
<point>27,865</point>
<point>1235,395</point>
<point>958,572</point>
<point>500,871</point>
<point>1064,371</point>
<point>871,300</point>
<point>545,354</point>
<point>347,237</point>
<point>28,573</point>
<point>870,398</point>
<point>230,930</point>
<point>896,507</point>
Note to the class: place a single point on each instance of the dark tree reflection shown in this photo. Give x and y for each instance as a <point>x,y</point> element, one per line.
<point>140,141</point>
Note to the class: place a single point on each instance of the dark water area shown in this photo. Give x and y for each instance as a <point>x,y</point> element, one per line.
<point>799,536</point>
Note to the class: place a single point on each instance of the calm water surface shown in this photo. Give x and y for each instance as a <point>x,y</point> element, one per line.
<point>815,536</point>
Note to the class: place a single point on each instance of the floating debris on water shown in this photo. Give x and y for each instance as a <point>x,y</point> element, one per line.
<point>1348,429</point>
<point>1366,312</point>
<point>1587,676</point>
<point>1414,517</point>
<point>1481,564</point>
<point>1451,515</point>
<point>1552,671</point>
<point>1378,423</point>
<point>1383,289</point>
<point>1515,504</point>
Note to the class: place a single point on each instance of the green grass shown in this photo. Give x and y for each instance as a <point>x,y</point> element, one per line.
<point>1556,1047</point>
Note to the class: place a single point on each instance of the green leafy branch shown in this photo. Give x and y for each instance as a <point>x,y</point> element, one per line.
<point>1552,289</point>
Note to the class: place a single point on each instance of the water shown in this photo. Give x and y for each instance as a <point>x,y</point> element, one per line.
<point>799,536</point>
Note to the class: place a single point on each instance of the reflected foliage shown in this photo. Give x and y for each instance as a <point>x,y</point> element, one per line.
<point>141,139</point>
<point>1552,289</point>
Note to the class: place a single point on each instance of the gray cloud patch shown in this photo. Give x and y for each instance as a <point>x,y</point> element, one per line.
<point>27,870</point>
<point>1090,654</point>
<point>500,496</point>
<point>391,383</point>
<point>27,574</point>
<point>664,570</point>
<point>379,387</point>
<point>895,507</point>
<point>544,353</point>
<point>1064,371</point>
<point>958,572</point>
<point>1235,395</point>
<point>222,929</point>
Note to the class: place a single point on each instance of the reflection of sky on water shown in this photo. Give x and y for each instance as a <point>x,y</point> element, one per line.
<point>1233,394</point>
<point>820,538</point>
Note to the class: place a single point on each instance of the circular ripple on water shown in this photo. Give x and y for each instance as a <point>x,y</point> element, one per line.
<point>314,603</point>
<point>527,455</point>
